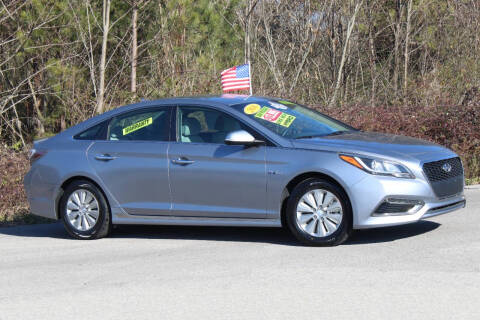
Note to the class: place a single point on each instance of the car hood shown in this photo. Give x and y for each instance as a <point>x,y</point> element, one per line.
<point>378,144</point>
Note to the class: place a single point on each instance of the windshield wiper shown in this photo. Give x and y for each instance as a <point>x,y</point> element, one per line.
<point>335,133</point>
<point>310,136</point>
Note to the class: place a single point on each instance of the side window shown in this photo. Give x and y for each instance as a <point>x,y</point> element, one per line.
<point>144,125</point>
<point>203,125</point>
<point>93,133</point>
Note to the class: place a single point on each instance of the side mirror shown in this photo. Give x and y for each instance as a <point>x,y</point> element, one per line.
<point>241,138</point>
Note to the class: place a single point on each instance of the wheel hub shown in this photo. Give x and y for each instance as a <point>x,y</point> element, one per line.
<point>319,213</point>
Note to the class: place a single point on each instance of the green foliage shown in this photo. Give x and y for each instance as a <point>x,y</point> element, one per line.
<point>52,48</point>
<point>17,146</point>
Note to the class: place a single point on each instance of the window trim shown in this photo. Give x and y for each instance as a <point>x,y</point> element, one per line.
<point>169,109</point>
<point>176,131</point>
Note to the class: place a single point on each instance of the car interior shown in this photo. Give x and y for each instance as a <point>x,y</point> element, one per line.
<point>206,126</point>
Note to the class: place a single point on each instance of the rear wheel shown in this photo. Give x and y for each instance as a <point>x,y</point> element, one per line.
<point>85,211</point>
<point>318,213</point>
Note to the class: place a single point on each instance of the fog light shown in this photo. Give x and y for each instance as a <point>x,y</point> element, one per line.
<point>396,207</point>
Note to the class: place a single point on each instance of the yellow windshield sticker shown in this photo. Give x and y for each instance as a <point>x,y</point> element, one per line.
<point>139,125</point>
<point>275,116</point>
<point>285,120</point>
<point>251,108</point>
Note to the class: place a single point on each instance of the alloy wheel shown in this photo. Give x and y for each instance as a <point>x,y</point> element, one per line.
<point>319,213</point>
<point>82,210</point>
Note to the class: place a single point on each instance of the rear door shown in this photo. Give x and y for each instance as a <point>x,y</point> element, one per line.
<point>209,178</point>
<point>132,162</point>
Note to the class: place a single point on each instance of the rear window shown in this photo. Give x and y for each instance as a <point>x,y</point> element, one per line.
<point>93,133</point>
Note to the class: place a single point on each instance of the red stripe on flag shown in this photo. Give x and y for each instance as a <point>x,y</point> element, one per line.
<point>235,81</point>
<point>235,88</point>
<point>227,70</point>
<point>236,84</point>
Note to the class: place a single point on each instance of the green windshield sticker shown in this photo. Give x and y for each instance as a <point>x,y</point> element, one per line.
<point>134,127</point>
<point>287,120</point>
<point>275,116</point>
<point>262,111</point>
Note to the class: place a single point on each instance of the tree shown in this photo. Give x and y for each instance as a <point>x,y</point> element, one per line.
<point>351,24</point>
<point>63,61</point>
<point>103,57</point>
<point>133,86</point>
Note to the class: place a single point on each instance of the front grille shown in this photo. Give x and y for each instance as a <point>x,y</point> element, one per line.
<point>434,170</point>
<point>445,182</point>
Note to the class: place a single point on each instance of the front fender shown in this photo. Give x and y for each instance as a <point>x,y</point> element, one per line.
<point>284,165</point>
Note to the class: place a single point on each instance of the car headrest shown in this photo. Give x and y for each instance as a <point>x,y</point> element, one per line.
<point>116,132</point>
<point>190,127</point>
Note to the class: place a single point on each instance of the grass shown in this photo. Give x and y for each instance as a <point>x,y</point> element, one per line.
<point>472,181</point>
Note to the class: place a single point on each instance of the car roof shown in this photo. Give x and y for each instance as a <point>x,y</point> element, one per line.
<point>224,99</point>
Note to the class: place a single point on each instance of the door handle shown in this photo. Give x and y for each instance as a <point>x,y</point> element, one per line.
<point>105,157</point>
<point>182,161</point>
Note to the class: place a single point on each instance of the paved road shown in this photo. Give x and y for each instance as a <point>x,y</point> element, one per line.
<point>429,270</point>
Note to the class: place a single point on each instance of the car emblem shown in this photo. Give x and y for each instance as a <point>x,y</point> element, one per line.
<point>447,167</point>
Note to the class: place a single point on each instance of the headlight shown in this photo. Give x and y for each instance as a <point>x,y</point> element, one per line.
<point>378,166</point>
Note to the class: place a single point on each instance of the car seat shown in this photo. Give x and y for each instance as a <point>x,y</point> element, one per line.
<point>191,130</point>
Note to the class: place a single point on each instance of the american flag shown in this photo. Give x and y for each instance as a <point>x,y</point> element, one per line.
<point>236,78</point>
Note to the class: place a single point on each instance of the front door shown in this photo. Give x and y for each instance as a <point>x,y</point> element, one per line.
<point>209,178</point>
<point>132,162</point>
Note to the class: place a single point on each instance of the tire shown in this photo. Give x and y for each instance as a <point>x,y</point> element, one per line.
<point>90,223</point>
<point>330,227</point>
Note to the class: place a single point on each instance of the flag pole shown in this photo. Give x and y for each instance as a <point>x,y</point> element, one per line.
<point>250,75</point>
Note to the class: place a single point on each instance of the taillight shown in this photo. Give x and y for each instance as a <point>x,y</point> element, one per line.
<point>36,154</point>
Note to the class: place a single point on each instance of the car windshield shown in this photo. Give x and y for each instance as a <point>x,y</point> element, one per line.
<point>292,121</point>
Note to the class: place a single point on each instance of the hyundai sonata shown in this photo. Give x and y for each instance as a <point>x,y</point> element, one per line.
<point>237,161</point>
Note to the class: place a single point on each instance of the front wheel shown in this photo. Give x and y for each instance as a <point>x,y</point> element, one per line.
<point>84,211</point>
<point>318,213</point>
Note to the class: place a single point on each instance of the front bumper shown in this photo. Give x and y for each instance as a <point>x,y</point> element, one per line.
<point>436,211</point>
<point>367,194</point>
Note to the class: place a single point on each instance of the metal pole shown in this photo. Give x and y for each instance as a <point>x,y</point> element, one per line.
<point>250,76</point>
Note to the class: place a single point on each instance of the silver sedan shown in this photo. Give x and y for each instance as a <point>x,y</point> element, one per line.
<point>237,161</point>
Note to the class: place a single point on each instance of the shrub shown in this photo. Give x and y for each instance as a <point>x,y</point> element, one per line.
<point>13,203</point>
